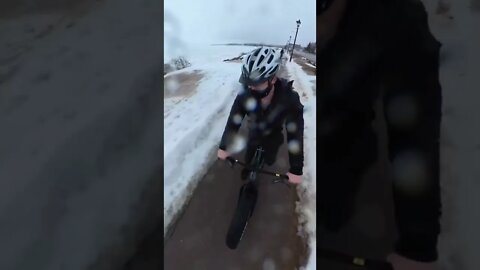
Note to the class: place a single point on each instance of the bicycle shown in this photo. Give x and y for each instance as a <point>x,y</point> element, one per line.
<point>246,204</point>
<point>247,197</point>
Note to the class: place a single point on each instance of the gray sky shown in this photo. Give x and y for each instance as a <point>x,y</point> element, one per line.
<point>220,21</point>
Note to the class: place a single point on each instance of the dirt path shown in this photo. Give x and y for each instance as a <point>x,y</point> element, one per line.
<point>179,87</point>
<point>198,239</point>
<point>309,69</point>
<point>181,84</point>
<point>310,56</point>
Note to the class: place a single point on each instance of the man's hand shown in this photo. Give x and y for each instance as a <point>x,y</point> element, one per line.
<point>401,263</point>
<point>294,179</point>
<point>222,154</point>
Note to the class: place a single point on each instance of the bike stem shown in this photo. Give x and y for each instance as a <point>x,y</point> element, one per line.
<point>233,161</point>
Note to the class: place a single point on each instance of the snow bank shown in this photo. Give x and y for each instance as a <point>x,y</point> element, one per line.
<point>79,141</point>
<point>194,125</point>
<point>306,208</point>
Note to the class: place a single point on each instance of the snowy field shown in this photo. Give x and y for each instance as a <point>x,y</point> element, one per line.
<point>194,126</point>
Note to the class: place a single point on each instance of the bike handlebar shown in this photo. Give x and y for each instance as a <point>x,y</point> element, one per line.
<point>233,161</point>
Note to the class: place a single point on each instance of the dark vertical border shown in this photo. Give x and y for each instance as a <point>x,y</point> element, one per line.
<point>162,38</point>
<point>318,88</point>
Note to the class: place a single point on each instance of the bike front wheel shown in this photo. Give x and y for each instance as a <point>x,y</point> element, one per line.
<point>245,206</point>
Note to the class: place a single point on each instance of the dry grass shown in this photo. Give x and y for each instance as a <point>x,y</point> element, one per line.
<point>186,83</point>
<point>307,68</point>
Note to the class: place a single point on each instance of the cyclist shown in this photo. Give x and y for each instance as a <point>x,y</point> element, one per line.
<point>270,102</point>
<point>369,49</point>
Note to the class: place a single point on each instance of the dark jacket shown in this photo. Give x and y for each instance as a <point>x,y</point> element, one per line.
<point>384,48</point>
<point>285,108</point>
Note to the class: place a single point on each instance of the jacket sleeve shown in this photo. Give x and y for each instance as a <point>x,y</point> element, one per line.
<point>237,113</point>
<point>294,125</point>
<point>412,103</point>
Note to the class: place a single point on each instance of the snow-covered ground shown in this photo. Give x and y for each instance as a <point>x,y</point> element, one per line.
<point>307,209</point>
<point>194,126</point>
<point>80,120</point>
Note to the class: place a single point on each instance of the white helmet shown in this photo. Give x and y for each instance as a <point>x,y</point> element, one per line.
<point>259,66</point>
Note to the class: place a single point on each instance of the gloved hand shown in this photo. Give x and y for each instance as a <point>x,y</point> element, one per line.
<point>401,263</point>
<point>294,179</point>
<point>222,154</point>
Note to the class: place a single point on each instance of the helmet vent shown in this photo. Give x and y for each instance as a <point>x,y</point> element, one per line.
<point>250,66</point>
<point>270,59</point>
<point>261,58</point>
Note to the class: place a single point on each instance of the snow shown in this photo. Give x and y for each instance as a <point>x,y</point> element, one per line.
<point>306,208</point>
<point>79,139</point>
<point>194,124</point>
<point>460,151</point>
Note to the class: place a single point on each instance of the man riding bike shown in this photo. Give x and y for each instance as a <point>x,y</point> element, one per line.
<point>269,102</point>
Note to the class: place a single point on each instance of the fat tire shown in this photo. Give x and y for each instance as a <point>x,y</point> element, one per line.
<point>246,203</point>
